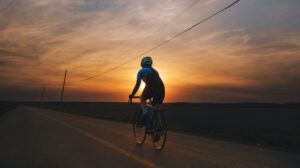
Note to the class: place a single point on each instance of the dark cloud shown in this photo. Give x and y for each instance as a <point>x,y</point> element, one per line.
<point>5,53</point>
<point>269,44</point>
<point>283,46</point>
<point>95,5</point>
<point>5,62</point>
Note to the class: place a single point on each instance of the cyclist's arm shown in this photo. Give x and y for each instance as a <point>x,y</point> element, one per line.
<point>137,84</point>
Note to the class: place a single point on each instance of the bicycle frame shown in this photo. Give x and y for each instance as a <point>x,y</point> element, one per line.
<point>155,132</point>
<point>138,97</point>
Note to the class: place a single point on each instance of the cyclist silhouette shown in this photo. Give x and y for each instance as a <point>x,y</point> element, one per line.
<point>154,86</point>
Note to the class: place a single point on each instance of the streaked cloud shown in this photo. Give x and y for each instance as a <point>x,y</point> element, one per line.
<point>249,53</point>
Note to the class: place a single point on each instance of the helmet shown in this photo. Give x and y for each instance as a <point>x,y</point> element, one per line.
<point>146,62</point>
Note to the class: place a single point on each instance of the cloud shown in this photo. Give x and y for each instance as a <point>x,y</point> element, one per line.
<point>235,54</point>
<point>5,53</point>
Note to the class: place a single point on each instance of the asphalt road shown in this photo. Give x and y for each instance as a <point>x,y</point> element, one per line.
<point>32,137</point>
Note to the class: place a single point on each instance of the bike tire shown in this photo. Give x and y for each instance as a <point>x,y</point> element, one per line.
<point>139,139</point>
<point>159,146</point>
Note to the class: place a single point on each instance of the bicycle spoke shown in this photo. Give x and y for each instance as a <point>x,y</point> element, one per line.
<point>160,132</point>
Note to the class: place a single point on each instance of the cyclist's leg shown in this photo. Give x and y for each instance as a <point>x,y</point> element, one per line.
<point>143,106</point>
<point>157,102</point>
<point>141,121</point>
<point>147,93</point>
<point>158,97</point>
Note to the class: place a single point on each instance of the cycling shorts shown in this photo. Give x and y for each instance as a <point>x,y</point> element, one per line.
<point>155,91</point>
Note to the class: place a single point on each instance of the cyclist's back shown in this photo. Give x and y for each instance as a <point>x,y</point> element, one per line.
<point>154,86</point>
<point>150,76</point>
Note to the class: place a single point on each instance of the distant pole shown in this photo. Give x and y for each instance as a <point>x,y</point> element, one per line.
<point>43,94</point>
<point>63,88</point>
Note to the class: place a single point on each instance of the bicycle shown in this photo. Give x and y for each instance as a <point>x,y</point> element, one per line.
<point>155,125</point>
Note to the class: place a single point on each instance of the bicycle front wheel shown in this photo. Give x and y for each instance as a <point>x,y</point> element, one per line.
<point>139,129</point>
<point>159,135</point>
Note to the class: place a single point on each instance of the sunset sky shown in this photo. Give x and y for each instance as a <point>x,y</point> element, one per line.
<point>249,53</point>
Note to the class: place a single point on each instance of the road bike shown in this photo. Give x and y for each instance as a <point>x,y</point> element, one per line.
<point>153,124</point>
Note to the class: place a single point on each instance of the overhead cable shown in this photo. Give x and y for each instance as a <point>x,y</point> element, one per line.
<point>162,43</point>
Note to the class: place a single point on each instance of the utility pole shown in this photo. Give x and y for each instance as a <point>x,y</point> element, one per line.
<point>43,93</point>
<point>63,88</point>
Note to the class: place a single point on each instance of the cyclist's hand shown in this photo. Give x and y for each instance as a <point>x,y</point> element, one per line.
<point>130,98</point>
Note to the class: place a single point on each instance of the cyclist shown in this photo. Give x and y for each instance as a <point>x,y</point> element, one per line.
<point>154,86</point>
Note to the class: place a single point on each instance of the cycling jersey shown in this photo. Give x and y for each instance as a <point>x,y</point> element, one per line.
<point>154,85</point>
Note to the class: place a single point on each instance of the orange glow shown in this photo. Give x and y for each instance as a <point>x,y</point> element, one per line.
<point>227,59</point>
<point>142,86</point>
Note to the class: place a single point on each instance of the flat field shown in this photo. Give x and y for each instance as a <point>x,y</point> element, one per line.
<point>267,125</point>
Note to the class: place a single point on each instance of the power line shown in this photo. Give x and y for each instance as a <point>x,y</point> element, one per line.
<point>132,33</point>
<point>162,43</point>
<point>141,27</point>
<point>192,3</point>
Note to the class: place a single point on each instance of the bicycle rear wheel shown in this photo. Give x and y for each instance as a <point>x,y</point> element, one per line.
<point>139,131</point>
<point>159,135</point>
